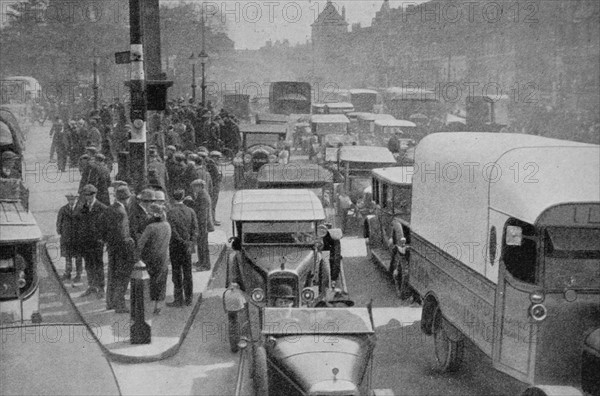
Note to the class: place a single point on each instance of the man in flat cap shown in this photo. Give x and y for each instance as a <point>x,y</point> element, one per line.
<point>138,213</point>
<point>68,228</point>
<point>201,204</point>
<point>120,245</point>
<point>8,169</point>
<point>217,177</point>
<point>91,244</point>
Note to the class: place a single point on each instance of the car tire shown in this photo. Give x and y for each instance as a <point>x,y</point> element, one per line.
<point>260,375</point>
<point>234,331</point>
<point>448,353</point>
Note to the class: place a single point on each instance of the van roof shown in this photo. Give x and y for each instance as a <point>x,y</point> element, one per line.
<point>272,117</point>
<point>395,175</point>
<point>329,118</point>
<point>293,174</point>
<point>375,116</point>
<point>362,91</point>
<point>367,154</point>
<point>465,180</point>
<point>16,223</point>
<point>334,105</point>
<point>276,205</point>
<point>395,123</point>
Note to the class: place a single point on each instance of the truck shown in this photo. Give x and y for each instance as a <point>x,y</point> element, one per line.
<point>504,254</point>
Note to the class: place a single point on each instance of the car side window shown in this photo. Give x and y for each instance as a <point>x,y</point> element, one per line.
<point>520,261</point>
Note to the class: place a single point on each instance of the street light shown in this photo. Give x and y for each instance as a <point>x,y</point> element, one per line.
<point>203,58</point>
<point>192,60</point>
<point>95,82</point>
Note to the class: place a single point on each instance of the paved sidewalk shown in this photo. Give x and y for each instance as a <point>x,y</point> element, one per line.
<point>112,330</point>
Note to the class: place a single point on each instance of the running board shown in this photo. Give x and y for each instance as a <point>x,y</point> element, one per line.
<point>382,257</point>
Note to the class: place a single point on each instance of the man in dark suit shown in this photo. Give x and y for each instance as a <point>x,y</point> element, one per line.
<point>201,204</point>
<point>184,232</point>
<point>67,228</point>
<point>102,182</point>
<point>120,245</point>
<point>90,242</point>
<point>138,213</point>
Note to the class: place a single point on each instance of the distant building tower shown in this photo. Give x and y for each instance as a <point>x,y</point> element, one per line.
<point>330,29</point>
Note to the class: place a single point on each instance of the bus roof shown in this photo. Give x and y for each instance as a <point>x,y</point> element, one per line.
<point>395,123</point>
<point>367,154</point>
<point>396,175</point>
<point>263,128</point>
<point>276,205</point>
<point>329,119</point>
<point>415,93</point>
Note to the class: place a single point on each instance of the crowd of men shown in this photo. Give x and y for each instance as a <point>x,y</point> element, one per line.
<point>161,222</point>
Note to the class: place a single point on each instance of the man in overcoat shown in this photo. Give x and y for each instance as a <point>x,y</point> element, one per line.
<point>200,202</point>
<point>67,228</point>
<point>91,245</point>
<point>184,233</point>
<point>120,245</point>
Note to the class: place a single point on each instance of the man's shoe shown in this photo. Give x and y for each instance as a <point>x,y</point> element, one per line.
<point>121,310</point>
<point>203,268</point>
<point>77,279</point>
<point>88,292</point>
<point>217,223</point>
<point>66,277</point>
<point>188,302</point>
<point>100,294</point>
<point>176,304</point>
<point>156,311</point>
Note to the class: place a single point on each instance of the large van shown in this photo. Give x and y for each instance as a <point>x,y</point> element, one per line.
<point>504,252</point>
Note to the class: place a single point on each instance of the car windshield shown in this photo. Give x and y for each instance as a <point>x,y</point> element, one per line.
<point>285,233</point>
<point>269,139</point>
<point>572,258</point>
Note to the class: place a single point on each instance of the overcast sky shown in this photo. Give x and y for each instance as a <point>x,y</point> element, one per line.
<point>252,23</point>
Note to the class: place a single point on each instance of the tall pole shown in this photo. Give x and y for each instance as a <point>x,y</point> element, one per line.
<point>203,59</point>
<point>203,86</point>
<point>194,83</point>
<point>137,145</point>
<point>95,83</point>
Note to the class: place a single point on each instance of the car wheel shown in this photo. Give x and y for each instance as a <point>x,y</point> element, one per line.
<point>233,327</point>
<point>448,353</point>
<point>260,375</point>
<point>399,271</point>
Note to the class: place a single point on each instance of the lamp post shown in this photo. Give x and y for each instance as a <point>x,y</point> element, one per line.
<point>95,83</point>
<point>203,58</point>
<point>192,60</point>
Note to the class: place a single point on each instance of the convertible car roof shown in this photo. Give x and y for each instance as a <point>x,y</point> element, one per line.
<point>276,205</point>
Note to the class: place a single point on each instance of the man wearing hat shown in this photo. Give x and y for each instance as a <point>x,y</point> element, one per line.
<point>94,135</point>
<point>138,213</point>
<point>157,172</point>
<point>68,228</point>
<point>120,245</point>
<point>102,181</point>
<point>8,170</point>
<point>216,176</point>
<point>201,204</point>
<point>184,234</point>
<point>91,240</point>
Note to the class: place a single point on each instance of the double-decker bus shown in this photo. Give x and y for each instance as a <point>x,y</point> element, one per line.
<point>289,97</point>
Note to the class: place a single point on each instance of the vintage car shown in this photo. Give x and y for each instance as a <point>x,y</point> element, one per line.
<point>280,244</point>
<point>387,230</point>
<point>363,99</point>
<point>356,162</point>
<point>307,176</point>
<point>259,146</point>
<point>332,108</point>
<point>385,129</point>
<point>332,132</point>
<point>327,350</point>
<point>365,122</point>
<point>272,119</point>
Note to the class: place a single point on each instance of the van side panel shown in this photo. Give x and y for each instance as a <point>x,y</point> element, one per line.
<point>465,297</point>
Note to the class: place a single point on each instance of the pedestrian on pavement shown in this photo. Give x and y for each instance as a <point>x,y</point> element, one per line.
<point>120,245</point>
<point>216,176</point>
<point>102,181</point>
<point>153,248</point>
<point>91,245</point>
<point>200,202</point>
<point>60,145</point>
<point>57,126</point>
<point>68,228</point>
<point>139,214</point>
<point>184,233</point>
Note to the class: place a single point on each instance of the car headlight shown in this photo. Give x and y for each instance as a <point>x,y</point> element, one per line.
<point>272,159</point>
<point>308,294</point>
<point>538,312</point>
<point>247,158</point>
<point>258,295</point>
